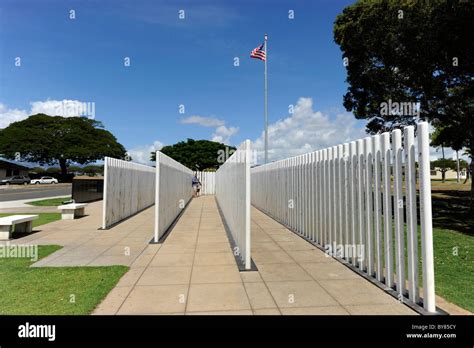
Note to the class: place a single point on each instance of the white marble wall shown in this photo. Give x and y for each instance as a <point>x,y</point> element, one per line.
<point>173,191</point>
<point>208,182</point>
<point>233,197</point>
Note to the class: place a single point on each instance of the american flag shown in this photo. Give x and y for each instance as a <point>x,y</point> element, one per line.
<point>259,53</point>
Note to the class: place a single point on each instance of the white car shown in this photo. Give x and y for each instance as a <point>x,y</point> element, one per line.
<point>44,180</point>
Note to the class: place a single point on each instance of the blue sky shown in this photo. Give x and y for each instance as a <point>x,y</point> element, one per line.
<point>176,62</point>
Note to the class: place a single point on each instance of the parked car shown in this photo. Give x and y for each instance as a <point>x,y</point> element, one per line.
<point>19,179</point>
<point>44,180</point>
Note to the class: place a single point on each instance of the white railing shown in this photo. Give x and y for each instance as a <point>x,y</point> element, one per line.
<point>343,199</point>
<point>208,182</point>
<point>173,192</point>
<point>233,198</point>
<point>128,189</point>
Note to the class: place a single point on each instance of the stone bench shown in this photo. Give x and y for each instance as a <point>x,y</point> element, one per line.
<point>72,210</point>
<point>22,223</point>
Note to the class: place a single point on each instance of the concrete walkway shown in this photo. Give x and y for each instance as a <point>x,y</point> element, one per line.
<point>194,272</point>
<point>22,207</point>
<point>27,209</point>
<point>86,245</point>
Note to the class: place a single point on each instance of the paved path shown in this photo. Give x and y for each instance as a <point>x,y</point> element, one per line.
<point>86,245</point>
<point>194,272</point>
<point>21,206</point>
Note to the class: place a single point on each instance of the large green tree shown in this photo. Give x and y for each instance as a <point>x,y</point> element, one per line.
<point>411,51</point>
<point>55,139</point>
<point>198,154</point>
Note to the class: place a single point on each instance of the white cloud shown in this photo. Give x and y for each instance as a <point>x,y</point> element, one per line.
<point>65,108</point>
<point>202,121</point>
<point>307,130</point>
<point>141,154</point>
<point>222,134</point>
<point>8,116</point>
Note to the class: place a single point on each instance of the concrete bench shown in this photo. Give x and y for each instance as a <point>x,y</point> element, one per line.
<point>72,210</point>
<point>22,223</point>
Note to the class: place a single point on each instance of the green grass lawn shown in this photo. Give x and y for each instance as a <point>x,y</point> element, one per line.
<point>454,267</point>
<point>453,264</point>
<point>53,290</point>
<point>43,218</point>
<point>52,202</point>
<point>453,242</point>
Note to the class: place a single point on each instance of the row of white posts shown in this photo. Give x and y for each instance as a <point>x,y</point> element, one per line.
<point>173,192</point>
<point>352,199</point>
<point>128,189</point>
<point>208,182</point>
<point>233,198</point>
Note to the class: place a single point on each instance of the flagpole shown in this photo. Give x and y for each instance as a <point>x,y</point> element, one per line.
<point>266,101</point>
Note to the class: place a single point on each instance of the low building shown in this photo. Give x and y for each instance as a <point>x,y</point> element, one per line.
<point>8,169</point>
<point>87,188</point>
<point>437,174</point>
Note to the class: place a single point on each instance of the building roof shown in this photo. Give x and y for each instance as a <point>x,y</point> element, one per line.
<point>4,164</point>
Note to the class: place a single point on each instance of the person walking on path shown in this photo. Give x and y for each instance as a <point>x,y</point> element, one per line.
<point>196,185</point>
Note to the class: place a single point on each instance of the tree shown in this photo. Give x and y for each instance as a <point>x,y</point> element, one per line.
<point>92,170</point>
<point>38,170</point>
<point>198,154</point>
<point>55,139</point>
<point>415,53</point>
<point>75,169</point>
<point>438,140</point>
<point>53,170</point>
<point>463,165</point>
